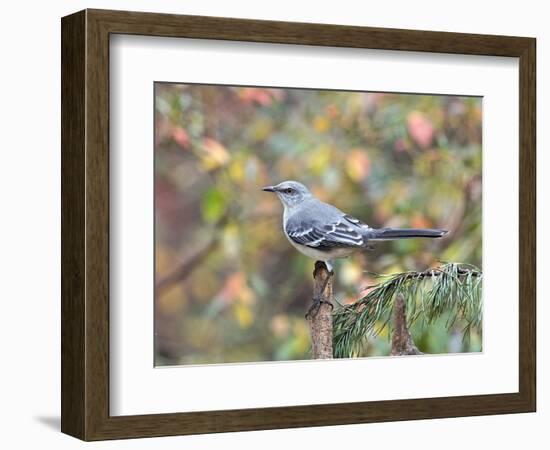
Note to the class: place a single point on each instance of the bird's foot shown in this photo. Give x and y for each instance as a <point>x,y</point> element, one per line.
<point>314,308</point>
<point>318,300</point>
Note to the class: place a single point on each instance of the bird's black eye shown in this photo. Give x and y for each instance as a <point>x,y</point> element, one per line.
<point>288,190</point>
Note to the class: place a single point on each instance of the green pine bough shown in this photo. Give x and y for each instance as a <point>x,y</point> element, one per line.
<point>452,288</point>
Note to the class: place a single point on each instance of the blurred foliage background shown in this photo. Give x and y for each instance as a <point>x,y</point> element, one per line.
<point>229,286</point>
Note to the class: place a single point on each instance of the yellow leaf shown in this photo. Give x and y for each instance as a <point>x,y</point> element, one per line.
<point>213,154</point>
<point>319,159</point>
<point>243,314</point>
<point>321,124</point>
<point>236,170</point>
<point>350,273</point>
<point>383,332</point>
<point>301,336</point>
<point>262,129</point>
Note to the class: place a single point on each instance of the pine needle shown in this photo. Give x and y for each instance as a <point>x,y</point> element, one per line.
<point>453,289</point>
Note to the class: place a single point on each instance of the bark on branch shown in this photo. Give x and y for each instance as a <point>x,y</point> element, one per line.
<point>320,319</point>
<point>401,342</point>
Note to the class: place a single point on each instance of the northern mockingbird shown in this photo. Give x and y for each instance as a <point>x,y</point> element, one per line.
<point>323,232</point>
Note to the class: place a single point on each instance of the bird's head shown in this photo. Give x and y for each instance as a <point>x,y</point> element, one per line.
<point>291,193</point>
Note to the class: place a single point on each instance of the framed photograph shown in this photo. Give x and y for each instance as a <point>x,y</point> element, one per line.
<point>273,225</point>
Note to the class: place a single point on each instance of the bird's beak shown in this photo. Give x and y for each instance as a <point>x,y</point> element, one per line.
<point>269,189</point>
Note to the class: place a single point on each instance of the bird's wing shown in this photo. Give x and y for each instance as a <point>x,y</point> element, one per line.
<point>337,233</point>
<point>355,221</point>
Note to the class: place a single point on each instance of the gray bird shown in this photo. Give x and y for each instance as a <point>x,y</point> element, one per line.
<point>323,232</point>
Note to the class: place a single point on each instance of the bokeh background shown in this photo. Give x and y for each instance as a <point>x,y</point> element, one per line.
<point>229,286</point>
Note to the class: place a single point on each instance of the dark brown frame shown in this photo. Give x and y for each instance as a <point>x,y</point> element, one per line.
<point>85,224</point>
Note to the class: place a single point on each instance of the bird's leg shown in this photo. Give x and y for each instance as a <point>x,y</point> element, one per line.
<point>314,308</point>
<point>318,299</point>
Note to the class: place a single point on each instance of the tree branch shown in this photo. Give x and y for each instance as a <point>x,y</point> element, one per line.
<point>320,318</point>
<point>186,267</point>
<point>401,341</point>
<point>183,270</point>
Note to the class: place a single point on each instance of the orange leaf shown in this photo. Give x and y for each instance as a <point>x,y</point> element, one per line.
<point>421,129</point>
<point>419,221</point>
<point>357,164</point>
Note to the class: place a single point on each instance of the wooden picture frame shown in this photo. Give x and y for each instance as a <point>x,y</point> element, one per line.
<point>85,224</point>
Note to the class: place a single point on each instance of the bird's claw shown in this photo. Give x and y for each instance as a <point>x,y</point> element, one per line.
<point>314,308</point>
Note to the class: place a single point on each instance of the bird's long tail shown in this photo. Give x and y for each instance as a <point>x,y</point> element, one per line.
<point>388,234</point>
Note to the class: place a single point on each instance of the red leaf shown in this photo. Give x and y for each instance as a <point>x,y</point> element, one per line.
<point>181,137</point>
